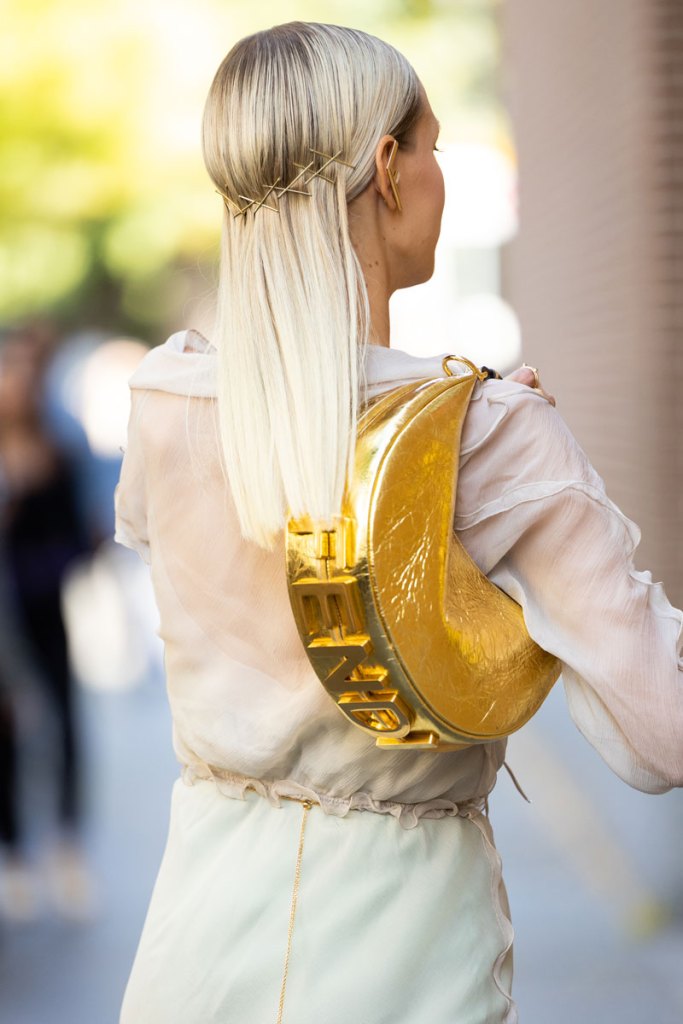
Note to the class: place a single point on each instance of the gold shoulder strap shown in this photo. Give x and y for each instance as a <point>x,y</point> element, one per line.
<point>411,640</point>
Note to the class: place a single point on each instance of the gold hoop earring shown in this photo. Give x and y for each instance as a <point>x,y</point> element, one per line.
<point>393,177</point>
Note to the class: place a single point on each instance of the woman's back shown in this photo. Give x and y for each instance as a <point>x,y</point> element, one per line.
<point>246,702</point>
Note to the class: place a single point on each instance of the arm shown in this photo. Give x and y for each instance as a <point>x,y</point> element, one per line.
<point>130,496</point>
<point>551,538</point>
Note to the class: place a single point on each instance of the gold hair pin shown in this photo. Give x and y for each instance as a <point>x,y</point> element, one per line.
<point>281,190</point>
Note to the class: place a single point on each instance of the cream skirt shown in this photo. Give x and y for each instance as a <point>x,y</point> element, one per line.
<point>390,925</point>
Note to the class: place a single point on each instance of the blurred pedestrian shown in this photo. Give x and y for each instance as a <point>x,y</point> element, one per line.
<point>42,535</point>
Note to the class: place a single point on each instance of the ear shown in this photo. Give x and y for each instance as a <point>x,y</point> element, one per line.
<point>381,178</point>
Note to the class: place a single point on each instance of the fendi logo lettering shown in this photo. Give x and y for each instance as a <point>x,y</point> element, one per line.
<point>324,605</point>
<point>333,608</point>
<point>339,662</point>
<point>382,711</point>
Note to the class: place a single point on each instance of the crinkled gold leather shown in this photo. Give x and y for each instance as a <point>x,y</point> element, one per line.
<point>407,635</point>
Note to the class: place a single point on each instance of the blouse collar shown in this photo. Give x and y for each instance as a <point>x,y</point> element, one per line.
<point>169,367</point>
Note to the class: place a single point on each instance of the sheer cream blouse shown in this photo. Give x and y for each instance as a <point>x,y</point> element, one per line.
<point>248,709</point>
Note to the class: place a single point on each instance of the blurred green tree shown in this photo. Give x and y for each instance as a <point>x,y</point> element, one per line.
<point>106,215</point>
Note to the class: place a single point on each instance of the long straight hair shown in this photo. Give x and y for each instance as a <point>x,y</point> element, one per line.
<point>292,318</point>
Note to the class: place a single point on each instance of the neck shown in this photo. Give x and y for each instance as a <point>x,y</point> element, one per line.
<point>372,257</point>
<point>378,298</point>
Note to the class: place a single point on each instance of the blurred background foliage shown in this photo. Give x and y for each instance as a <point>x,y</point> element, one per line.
<point>107,218</point>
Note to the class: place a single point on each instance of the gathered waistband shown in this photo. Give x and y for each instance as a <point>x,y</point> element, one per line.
<point>274,790</point>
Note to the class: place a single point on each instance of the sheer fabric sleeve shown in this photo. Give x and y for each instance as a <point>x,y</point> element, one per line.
<point>539,522</point>
<point>130,495</point>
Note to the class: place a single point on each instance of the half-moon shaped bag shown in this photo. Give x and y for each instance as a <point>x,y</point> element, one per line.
<point>407,635</point>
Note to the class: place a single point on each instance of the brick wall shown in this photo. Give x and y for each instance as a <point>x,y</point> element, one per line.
<point>595,94</point>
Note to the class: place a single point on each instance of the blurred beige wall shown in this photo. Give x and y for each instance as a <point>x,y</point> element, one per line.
<point>595,92</point>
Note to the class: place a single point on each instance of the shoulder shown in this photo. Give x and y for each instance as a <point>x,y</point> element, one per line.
<point>185,364</point>
<point>517,447</point>
<point>512,420</point>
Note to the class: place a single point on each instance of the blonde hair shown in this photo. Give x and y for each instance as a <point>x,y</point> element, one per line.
<point>292,319</point>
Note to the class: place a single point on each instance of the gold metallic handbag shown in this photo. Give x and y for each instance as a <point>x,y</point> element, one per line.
<point>411,640</point>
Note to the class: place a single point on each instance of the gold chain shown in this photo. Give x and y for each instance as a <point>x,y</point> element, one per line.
<point>307,804</point>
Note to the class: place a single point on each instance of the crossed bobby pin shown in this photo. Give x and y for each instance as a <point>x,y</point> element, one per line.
<point>280,190</point>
